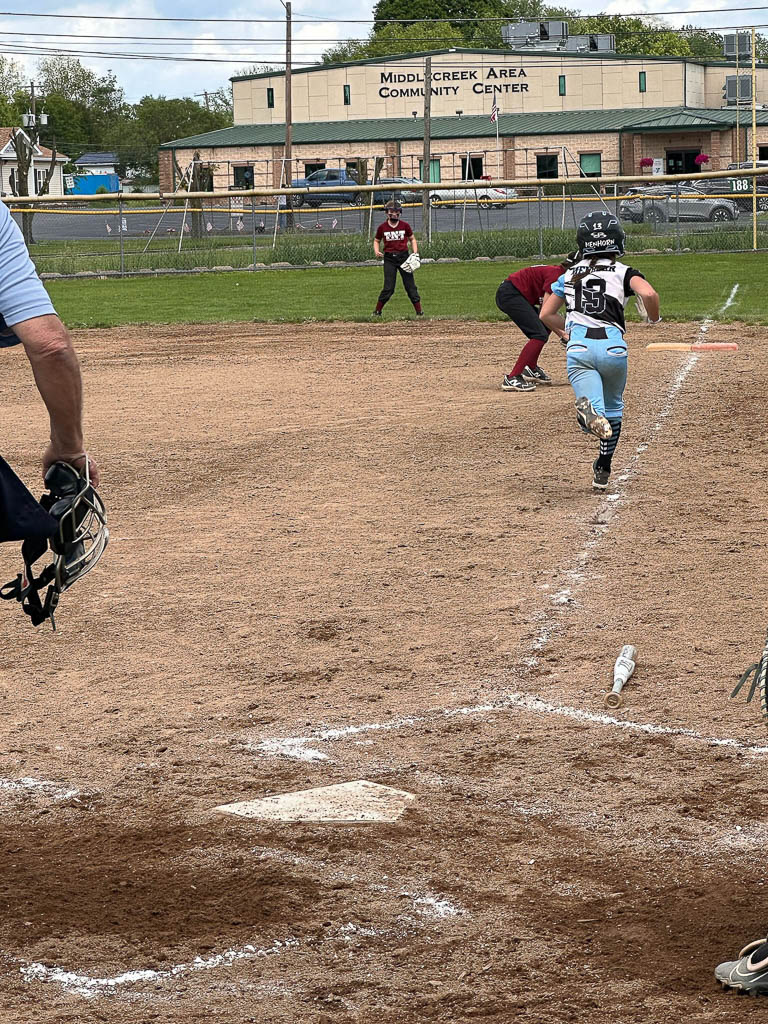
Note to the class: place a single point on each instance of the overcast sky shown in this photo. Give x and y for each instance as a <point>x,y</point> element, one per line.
<point>243,44</point>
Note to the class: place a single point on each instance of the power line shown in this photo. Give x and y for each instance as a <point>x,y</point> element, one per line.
<point>363,21</point>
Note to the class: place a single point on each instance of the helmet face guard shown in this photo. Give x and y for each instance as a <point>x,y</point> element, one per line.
<point>79,542</point>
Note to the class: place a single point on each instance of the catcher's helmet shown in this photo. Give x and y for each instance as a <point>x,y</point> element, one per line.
<point>600,234</point>
<point>394,204</point>
<point>77,544</point>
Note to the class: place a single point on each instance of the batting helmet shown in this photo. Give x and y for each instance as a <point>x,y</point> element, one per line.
<point>394,204</point>
<point>600,234</point>
<point>77,544</point>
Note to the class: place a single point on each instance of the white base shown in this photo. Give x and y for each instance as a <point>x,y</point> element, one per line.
<point>346,803</point>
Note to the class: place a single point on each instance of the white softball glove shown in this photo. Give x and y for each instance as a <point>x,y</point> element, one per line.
<point>412,263</point>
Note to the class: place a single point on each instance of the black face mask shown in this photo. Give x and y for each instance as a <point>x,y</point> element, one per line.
<point>393,217</point>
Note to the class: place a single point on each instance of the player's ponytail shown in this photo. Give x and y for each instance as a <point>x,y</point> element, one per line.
<point>587,271</point>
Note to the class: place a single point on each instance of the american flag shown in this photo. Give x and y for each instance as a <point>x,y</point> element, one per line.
<point>494,113</point>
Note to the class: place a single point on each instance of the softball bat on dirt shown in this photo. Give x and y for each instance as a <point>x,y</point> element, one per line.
<point>622,670</point>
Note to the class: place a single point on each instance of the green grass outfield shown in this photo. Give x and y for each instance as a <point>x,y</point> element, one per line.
<point>692,286</point>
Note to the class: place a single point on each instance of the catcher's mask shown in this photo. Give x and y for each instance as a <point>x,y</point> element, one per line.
<point>76,546</point>
<point>600,234</point>
<point>393,207</point>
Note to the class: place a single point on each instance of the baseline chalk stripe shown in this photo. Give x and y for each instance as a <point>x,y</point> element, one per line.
<point>52,790</point>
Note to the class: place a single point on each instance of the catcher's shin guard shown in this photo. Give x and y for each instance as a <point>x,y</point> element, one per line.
<point>79,541</point>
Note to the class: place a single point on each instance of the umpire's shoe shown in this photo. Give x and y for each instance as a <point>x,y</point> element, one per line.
<point>750,972</point>
<point>516,382</point>
<point>592,421</point>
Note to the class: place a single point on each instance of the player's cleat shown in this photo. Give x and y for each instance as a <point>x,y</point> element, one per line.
<point>516,383</point>
<point>376,312</point>
<point>750,972</point>
<point>537,376</point>
<point>592,421</point>
<point>600,477</point>
<point>419,312</point>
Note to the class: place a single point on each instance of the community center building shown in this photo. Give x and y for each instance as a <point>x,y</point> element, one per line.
<point>555,114</point>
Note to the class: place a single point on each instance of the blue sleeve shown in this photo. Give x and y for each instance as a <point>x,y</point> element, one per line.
<point>22,295</point>
<point>558,288</point>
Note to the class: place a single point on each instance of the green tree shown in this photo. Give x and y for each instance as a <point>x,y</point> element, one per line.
<point>394,39</point>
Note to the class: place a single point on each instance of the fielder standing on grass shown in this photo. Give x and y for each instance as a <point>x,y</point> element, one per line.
<point>595,291</point>
<point>396,235</point>
<point>520,296</point>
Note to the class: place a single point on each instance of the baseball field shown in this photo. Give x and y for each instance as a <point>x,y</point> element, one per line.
<point>340,552</point>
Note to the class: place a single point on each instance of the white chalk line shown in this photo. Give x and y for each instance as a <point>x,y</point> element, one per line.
<point>300,748</point>
<point>509,703</point>
<point>25,786</point>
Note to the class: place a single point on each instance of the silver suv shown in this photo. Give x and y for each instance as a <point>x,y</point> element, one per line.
<point>658,204</point>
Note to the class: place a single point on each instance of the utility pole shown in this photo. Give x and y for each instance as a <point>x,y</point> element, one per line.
<point>427,154</point>
<point>288,154</point>
<point>33,136</point>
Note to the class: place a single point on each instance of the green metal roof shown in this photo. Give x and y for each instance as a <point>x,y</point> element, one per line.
<point>649,119</point>
<point>389,58</point>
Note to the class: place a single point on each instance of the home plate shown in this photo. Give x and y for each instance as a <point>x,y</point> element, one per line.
<point>345,803</point>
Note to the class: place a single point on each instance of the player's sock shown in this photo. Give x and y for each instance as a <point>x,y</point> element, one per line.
<point>417,306</point>
<point>608,447</point>
<point>379,306</point>
<point>529,356</point>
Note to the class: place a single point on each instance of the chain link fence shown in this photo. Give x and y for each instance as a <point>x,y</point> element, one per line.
<point>126,235</point>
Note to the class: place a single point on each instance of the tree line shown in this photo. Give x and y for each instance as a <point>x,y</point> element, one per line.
<point>88,113</point>
<point>461,23</point>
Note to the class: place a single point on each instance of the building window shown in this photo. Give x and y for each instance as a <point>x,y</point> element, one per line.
<point>311,168</point>
<point>434,170</point>
<point>591,164</point>
<point>347,95</point>
<point>561,85</point>
<point>39,180</point>
<point>471,168</point>
<point>243,176</point>
<point>546,165</point>
<point>270,98</point>
<point>762,152</point>
<point>641,81</point>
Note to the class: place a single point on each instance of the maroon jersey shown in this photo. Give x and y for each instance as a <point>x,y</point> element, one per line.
<point>533,283</point>
<point>396,239</point>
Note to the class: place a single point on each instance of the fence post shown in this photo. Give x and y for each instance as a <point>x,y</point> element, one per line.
<point>540,196</point>
<point>677,216</point>
<point>120,225</point>
<point>253,231</point>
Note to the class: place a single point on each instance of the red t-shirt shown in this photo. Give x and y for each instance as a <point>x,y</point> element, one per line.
<point>395,239</point>
<point>533,283</point>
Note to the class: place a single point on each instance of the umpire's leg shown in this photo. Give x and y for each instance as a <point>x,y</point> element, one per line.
<point>390,280</point>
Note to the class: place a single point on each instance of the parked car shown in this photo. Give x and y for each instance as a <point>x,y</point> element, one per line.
<point>476,191</point>
<point>722,187</point>
<point>395,188</point>
<point>328,176</point>
<point>655,205</point>
<point>762,179</point>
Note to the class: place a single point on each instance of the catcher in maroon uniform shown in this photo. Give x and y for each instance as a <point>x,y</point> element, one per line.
<point>520,297</point>
<point>396,234</point>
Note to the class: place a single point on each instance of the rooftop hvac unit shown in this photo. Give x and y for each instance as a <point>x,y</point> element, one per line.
<point>599,43</point>
<point>538,34</point>
<point>737,45</point>
<point>738,89</point>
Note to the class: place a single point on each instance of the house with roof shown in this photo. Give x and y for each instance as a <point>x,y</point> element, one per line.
<point>41,161</point>
<point>96,163</point>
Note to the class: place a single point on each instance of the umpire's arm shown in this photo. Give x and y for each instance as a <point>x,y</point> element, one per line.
<point>56,368</point>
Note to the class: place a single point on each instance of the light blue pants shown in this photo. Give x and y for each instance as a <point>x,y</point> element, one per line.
<point>597,368</point>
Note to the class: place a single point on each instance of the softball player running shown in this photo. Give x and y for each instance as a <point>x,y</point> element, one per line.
<point>520,296</point>
<point>396,234</point>
<point>595,292</point>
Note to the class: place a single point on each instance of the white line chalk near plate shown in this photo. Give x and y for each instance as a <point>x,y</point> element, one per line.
<point>347,803</point>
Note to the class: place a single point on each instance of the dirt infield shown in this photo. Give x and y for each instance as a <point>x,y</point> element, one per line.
<point>342,552</point>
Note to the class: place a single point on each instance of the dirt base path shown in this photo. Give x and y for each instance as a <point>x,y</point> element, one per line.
<point>352,528</point>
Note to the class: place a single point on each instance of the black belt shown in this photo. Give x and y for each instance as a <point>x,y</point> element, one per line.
<point>596,333</point>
